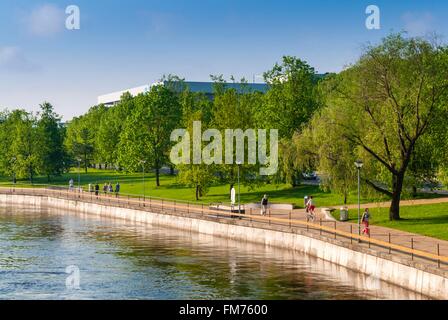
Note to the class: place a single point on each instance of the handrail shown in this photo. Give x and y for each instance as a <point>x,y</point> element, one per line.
<point>201,210</point>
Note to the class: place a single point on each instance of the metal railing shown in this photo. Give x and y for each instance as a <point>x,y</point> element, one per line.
<point>169,206</point>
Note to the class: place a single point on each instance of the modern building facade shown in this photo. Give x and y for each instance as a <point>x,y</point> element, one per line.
<point>111,99</point>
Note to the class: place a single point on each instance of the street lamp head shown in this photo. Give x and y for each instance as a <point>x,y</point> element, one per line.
<point>359,164</point>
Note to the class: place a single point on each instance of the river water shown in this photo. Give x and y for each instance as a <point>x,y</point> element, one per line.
<point>46,254</point>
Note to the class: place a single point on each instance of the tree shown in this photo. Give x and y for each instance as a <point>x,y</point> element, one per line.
<point>110,129</point>
<point>5,143</point>
<point>386,103</point>
<point>196,107</point>
<point>235,110</point>
<point>51,135</point>
<point>292,97</point>
<point>146,133</point>
<point>80,142</point>
<point>317,148</point>
<point>81,139</point>
<point>22,153</point>
<point>288,106</point>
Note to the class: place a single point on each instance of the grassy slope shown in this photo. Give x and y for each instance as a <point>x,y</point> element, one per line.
<point>429,220</point>
<point>170,189</point>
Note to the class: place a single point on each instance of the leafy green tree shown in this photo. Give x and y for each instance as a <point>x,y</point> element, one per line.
<point>80,142</point>
<point>5,143</point>
<point>292,97</point>
<point>81,138</point>
<point>287,106</point>
<point>235,110</point>
<point>110,129</point>
<point>385,103</point>
<point>317,148</point>
<point>146,133</point>
<point>196,107</point>
<point>51,134</point>
<point>24,145</point>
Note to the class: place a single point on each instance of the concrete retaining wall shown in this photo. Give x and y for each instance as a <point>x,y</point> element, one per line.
<point>431,283</point>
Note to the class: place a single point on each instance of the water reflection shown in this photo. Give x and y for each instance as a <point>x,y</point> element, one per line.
<point>121,260</point>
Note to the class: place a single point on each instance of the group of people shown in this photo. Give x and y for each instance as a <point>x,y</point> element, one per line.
<point>107,188</point>
<point>310,207</point>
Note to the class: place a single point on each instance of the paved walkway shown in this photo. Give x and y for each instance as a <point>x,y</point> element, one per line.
<point>403,238</point>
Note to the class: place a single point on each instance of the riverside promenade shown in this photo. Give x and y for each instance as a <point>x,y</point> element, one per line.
<point>427,250</point>
<point>324,237</point>
<point>405,239</point>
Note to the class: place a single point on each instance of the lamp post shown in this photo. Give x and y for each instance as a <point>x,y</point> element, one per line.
<point>239,203</point>
<point>143,162</point>
<point>359,164</point>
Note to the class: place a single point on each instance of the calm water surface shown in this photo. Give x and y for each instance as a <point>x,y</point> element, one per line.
<point>121,260</point>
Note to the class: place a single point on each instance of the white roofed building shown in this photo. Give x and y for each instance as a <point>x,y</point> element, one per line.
<point>111,99</point>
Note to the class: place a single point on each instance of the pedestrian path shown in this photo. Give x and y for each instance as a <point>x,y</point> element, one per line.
<point>403,238</point>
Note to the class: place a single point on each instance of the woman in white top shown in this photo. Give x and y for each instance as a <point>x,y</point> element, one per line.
<point>310,206</point>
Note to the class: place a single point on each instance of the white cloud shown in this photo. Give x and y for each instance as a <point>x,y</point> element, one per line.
<point>418,24</point>
<point>45,20</point>
<point>12,59</point>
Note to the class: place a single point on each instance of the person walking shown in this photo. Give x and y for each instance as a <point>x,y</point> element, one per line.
<point>365,221</point>
<point>97,189</point>
<point>105,188</point>
<point>232,197</point>
<point>111,188</point>
<point>305,203</point>
<point>117,189</point>
<point>71,185</point>
<point>264,205</point>
<point>310,208</point>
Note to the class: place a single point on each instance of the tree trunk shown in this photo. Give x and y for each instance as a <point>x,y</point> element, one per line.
<point>397,187</point>
<point>296,178</point>
<point>85,162</point>
<point>158,176</point>
<point>172,170</point>
<point>414,191</point>
<point>197,192</point>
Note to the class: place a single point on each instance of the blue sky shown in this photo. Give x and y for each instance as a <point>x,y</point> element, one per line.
<point>122,44</point>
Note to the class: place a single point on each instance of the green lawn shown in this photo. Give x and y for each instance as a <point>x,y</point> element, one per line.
<point>170,189</point>
<point>429,220</point>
